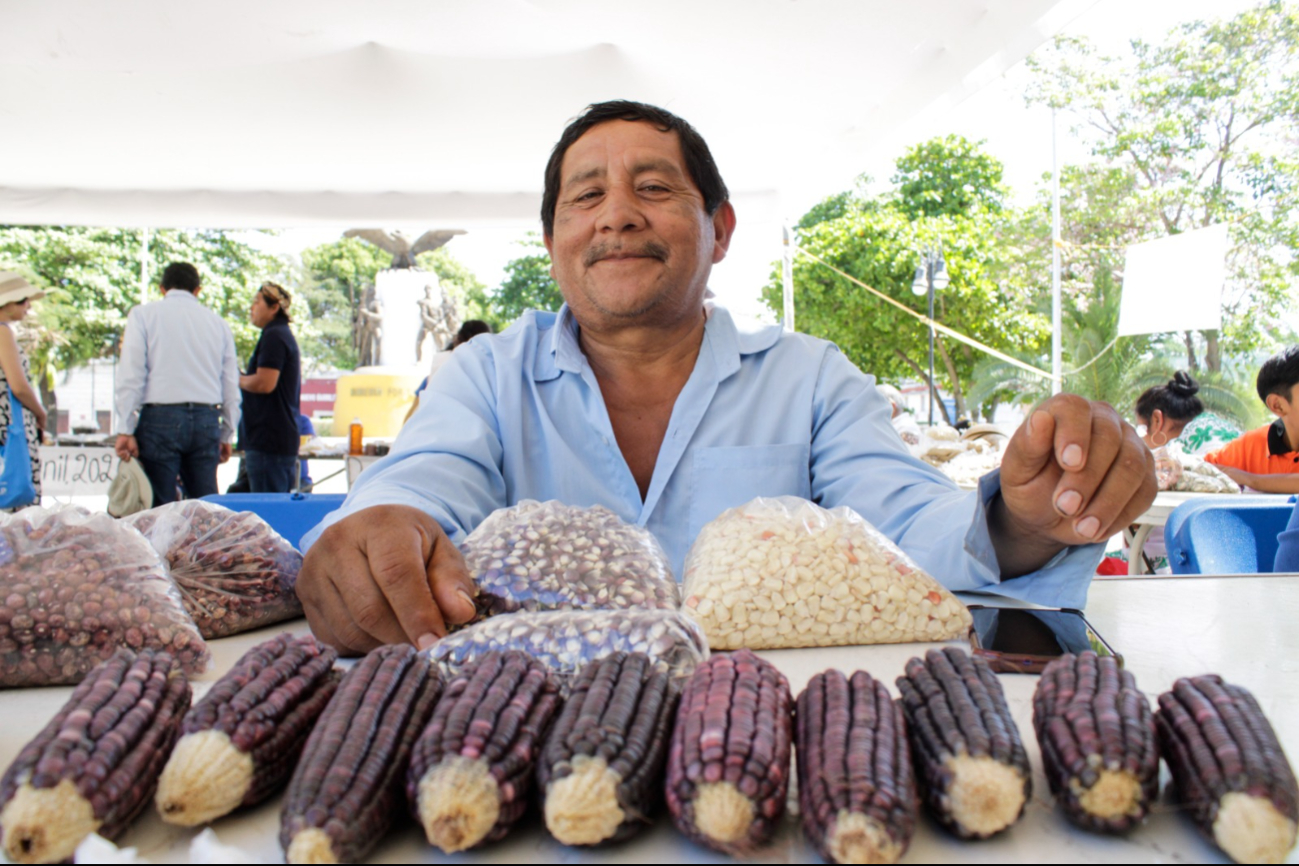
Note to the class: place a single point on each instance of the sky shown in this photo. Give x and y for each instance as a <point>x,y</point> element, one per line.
<point>1019,136</point>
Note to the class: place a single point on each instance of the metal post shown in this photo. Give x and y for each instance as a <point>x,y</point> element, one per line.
<point>787,277</point>
<point>1057,366</point>
<point>933,391</point>
<point>144,266</point>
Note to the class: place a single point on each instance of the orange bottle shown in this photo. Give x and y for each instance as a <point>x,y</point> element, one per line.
<point>354,435</point>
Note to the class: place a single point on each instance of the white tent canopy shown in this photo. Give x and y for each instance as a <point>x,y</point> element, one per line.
<point>265,113</point>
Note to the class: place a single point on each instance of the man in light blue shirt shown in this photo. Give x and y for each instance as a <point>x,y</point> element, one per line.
<point>640,397</point>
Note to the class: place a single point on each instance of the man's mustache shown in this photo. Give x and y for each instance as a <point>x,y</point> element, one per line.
<point>648,249</point>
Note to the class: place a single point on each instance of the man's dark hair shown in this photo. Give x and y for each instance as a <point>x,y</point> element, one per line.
<point>1176,400</point>
<point>699,160</point>
<point>469,330</point>
<point>180,275</point>
<point>1279,374</point>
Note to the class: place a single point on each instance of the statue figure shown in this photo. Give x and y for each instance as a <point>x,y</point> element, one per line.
<point>403,251</point>
<point>438,317</point>
<point>368,332</point>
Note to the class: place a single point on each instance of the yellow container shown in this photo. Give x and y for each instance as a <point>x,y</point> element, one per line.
<point>380,400</point>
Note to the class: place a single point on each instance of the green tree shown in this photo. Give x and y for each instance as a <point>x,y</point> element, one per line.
<point>528,285</point>
<point>1203,124</point>
<point>948,176</point>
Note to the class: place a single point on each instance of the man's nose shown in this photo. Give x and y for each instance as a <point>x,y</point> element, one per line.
<point>621,209</point>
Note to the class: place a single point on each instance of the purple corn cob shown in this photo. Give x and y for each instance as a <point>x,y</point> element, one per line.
<point>969,758</point>
<point>856,788</point>
<point>601,770</point>
<point>1097,736</point>
<point>95,765</point>
<point>1228,768</point>
<point>348,785</point>
<point>728,765</point>
<point>472,766</point>
<point>239,744</point>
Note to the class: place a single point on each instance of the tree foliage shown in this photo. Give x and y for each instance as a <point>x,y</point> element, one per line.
<point>1203,127</point>
<point>948,176</point>
<point>528,285</point>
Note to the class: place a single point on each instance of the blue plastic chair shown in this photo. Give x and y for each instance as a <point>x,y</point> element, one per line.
<point>1226,534</point>
<point>292,515</point>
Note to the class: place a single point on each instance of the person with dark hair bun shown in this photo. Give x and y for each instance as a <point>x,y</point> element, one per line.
<point>1165,410</point>
<point>1267,459</point>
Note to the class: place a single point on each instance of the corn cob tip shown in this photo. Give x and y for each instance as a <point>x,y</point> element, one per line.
<point>722,813</point>
<point>1116,794</point>
<point>857,838</point>
<point>582,808</point>
<point>311,846</point>
<point>205,777</point>
<point>45,825</point>
<point>986,795</point>
<point>1251,830</point>
<point>459,803</point>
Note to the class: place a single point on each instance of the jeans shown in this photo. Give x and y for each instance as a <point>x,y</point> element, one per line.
<point>182,441</point>
<point>271,473</point>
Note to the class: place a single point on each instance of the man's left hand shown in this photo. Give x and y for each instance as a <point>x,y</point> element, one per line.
<point>1074,473</point>
<point>224,453</point>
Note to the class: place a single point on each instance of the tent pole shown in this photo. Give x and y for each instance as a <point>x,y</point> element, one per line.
<point>787,276</point>
<point>1057,366</point>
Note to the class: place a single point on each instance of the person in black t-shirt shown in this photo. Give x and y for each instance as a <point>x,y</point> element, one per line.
<point>271,395</point>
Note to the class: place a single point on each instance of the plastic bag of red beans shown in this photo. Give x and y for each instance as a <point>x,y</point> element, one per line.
<point>76,586</point>
<point>234,572</point>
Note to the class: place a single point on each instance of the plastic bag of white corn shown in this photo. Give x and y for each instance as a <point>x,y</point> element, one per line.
<point>566,640</point>
<point>538,556</point>
<point>784,572</point>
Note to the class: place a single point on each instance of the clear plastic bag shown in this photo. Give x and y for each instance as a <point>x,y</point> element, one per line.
<point>566,640</point>
<point>75,586</point>
<point>1168,469</point>
<point>539,556</point>
<point>784,572</point>
<point>234,572</point>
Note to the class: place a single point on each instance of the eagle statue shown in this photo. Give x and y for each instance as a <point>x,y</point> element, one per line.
<point>403,251</point>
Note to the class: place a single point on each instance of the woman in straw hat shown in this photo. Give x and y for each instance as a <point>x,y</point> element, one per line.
<point>16,296</point>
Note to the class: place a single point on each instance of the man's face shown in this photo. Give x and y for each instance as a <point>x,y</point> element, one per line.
<point>632,243</point>
<point>1285,408</point>
<point>261,313</point>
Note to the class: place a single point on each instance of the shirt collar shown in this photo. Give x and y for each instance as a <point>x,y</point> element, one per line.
<point>1278,443</point>
<point>179,293</point>
<point>722,339</point>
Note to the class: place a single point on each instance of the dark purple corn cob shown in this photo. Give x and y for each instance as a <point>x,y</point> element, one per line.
<point>967,751</point>
<point>601,770</point>
<point>348,786</point>
<point>239,744</point>
<point>856,788</point>
<point>95,765</point>
<point>728,765</point>
<point>1228,768</point>
<point>1097,736</point>
<point>472,766</point>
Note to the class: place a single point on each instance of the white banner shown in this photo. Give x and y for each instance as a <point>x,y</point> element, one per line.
<point>77,471</point>
<point>1174,283</point>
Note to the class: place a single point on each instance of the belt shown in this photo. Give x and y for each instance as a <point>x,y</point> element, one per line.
<point>185,405</point>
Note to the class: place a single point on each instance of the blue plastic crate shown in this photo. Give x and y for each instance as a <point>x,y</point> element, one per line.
<point>292,515</point>
<point>1226,534</point>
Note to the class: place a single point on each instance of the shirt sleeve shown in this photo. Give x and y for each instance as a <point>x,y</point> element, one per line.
<point>132,373</point>
<point>231,397</point>
<point>447,460</point>
<point>272,352</point>
<point>859,461</point>
<point>1234,453</point>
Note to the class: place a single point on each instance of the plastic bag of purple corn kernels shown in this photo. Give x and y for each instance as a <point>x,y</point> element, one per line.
<point>234,572</point>
<point>76,586</point>
<point>545,556</point>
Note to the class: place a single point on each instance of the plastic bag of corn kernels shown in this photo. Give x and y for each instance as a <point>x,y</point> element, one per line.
<point>539,556</point>
<point>566,640</point>
<point>784,572</point>
<point>234,572</point>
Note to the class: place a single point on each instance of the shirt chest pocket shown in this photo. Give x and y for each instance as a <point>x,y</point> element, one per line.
<point>723,478</point>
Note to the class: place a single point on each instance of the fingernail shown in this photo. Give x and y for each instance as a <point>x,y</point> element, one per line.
<point>1071,456</point>
<point>1088,527</point>
<point>469,600</point>
<point>425,641</point>
<point>1068,502</point>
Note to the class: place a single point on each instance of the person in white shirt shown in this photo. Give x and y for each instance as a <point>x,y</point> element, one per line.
<point>177,389</point>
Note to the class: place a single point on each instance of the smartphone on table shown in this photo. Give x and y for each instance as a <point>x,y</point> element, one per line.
<point>1025,640</point>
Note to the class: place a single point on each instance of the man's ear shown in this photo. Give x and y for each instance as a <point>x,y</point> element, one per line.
<point>723,230</point>
<point>1276,404</point>
<point>550,251</point>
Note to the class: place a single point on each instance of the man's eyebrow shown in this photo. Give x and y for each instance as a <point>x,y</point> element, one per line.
<point>666,166</point>
<point>583,176</point>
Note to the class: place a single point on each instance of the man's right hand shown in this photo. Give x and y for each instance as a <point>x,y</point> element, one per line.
<point>384,575</point>
<point>126,447</point>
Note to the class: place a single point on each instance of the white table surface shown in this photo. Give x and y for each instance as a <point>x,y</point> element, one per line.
<point>1244,628</point>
